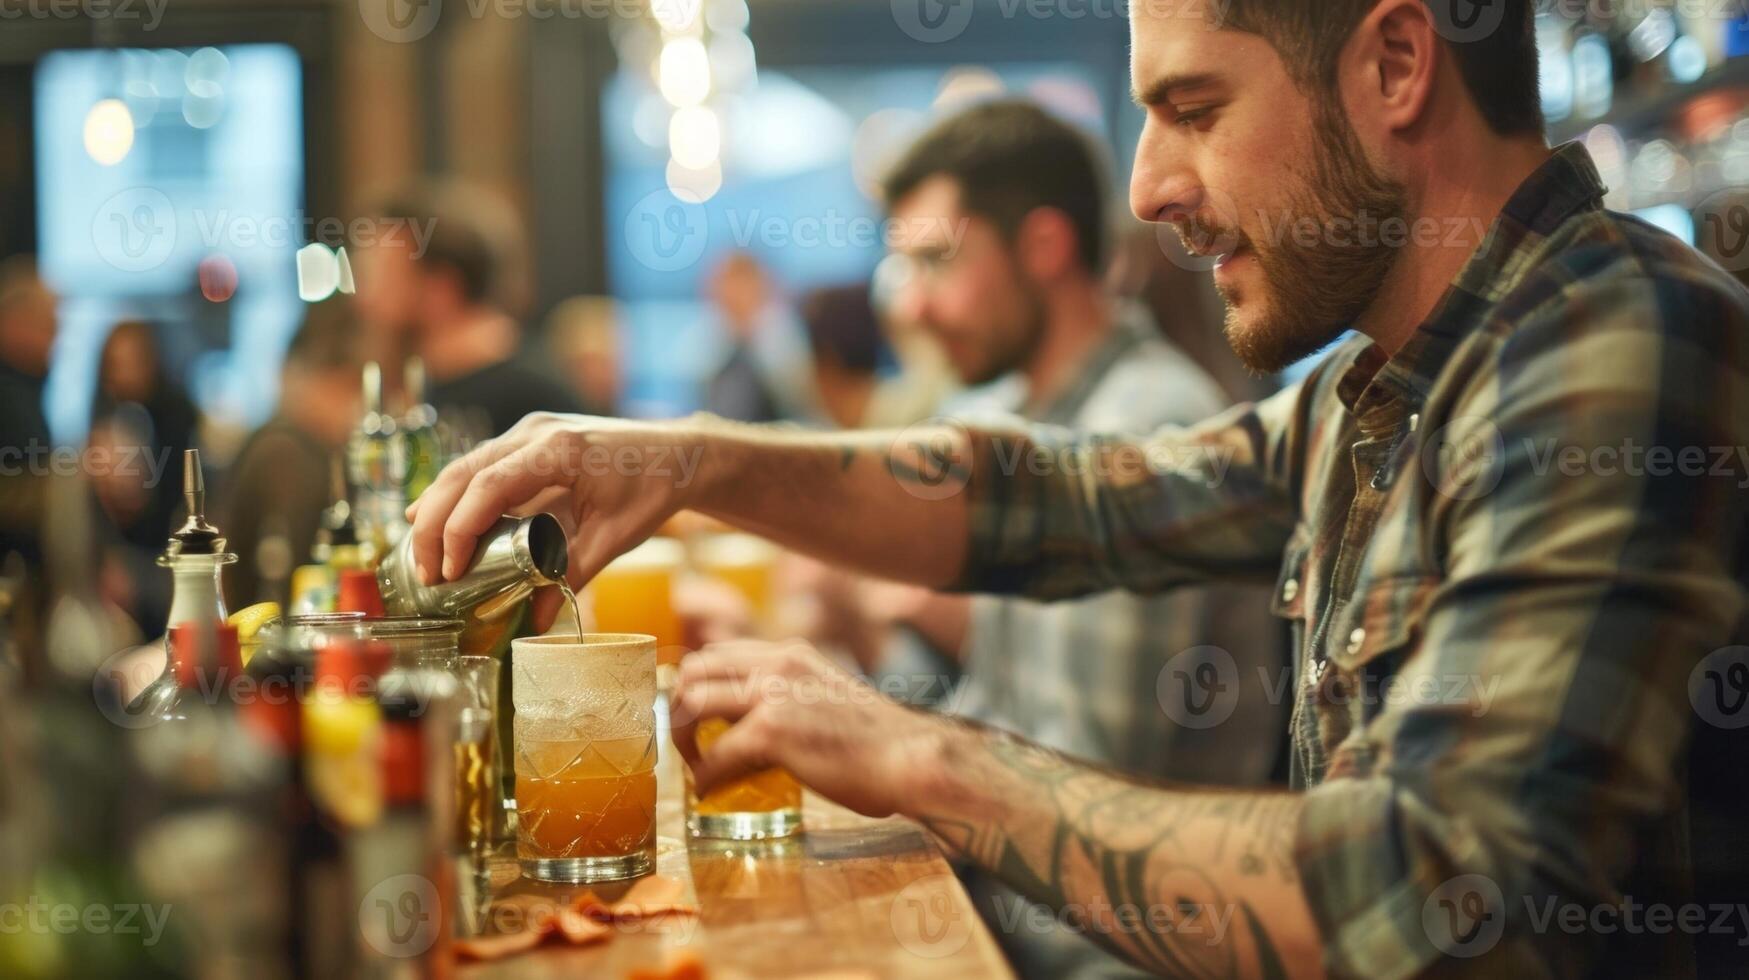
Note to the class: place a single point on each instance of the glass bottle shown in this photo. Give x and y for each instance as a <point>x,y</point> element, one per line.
<point>196,555</point>
<point>377,465</point>
<point>424,443</point>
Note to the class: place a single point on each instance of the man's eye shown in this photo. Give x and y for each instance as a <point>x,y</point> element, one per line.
<point>1190,117</point>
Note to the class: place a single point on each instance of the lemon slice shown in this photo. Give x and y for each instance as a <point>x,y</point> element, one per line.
<point>250,622</point>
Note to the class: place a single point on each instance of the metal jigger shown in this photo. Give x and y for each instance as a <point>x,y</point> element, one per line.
<point>512,559</point>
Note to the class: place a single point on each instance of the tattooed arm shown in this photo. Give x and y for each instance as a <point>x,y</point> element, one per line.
<point>888,504</point>
<point>1183,881</point>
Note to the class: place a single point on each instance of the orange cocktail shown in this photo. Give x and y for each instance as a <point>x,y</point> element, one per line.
<point>585,755</point>
<point>635,593</point>
<point>765,804</point>
<point>769,803</point>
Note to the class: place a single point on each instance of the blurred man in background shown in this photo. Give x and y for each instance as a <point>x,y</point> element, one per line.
<point>282,479</point>
<point>583,334</point>
<point>762,376</point>
<point>847,348</point>
<point>439,283</point>
<point>1000,213</point>
<point>27,335</point>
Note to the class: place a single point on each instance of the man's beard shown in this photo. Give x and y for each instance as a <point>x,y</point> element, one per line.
<point>1315,291</point>
<point>1010,352</point>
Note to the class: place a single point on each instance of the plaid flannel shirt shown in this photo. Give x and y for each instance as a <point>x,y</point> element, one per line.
<point>1514,556</point>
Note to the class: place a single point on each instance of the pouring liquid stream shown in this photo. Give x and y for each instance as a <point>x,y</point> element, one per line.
<point>576,610</point>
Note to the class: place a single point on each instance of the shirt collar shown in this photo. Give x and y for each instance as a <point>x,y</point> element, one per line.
<point>1567,184</point>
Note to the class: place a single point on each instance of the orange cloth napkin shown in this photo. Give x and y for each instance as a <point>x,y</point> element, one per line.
<point>581,921</point>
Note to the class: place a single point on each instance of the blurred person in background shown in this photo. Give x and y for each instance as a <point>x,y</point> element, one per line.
<point>282,479</point>
<point>1003,212</point>
<point>439,282</point>
<point>27,337</point>
<point>848,350</point>
<point>583,335</point>
<point>142,406</point>
<point>142,423</point>
<point>763,373</point>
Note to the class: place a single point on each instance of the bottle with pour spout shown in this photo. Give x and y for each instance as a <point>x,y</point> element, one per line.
<point>196,557</point>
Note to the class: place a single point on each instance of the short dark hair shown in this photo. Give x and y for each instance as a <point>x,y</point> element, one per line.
<point>843,329</point>
<point>1499,67</point>
<point>328,339</point>
<point>1010,157</point>
<point>471,236</point>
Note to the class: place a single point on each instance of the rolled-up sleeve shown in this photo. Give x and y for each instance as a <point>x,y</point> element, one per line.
<point>1055,514</point>
<point>1584,581</point>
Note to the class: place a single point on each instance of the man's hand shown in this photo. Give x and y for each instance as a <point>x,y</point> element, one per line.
<point>793,708</point>
<point>611,483</point>
<point>848,498</point>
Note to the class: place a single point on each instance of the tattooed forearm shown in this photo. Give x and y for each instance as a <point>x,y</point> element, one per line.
<point>1184,882</point>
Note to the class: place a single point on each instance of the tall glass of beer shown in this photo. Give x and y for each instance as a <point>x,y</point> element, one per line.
<point>585,757</point>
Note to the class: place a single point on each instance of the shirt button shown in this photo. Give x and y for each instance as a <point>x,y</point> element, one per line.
<point>1290,590</point>
<point>1414,421</point>
<point>1355,639</point>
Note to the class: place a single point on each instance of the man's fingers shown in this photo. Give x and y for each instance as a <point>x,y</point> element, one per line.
<point>500,487</point>
<point>741,751</point>
<point>693,703</point>
<point>738,660</point>
<point>435,504</point>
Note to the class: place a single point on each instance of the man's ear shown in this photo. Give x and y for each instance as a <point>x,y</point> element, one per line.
<point>1391,65</point>
<point>1045,243</point>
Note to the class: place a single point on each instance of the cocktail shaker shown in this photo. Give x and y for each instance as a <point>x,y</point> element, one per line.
<point>512,559</point>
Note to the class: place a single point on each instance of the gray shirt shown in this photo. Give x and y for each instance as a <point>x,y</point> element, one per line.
<point>1105,678</point>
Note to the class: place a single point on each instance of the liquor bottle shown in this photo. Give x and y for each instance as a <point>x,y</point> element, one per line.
<point>315,586</point>
<point>196,556</point>
<point>343,729</point>
<point>377,464</point>
<point>401,868</point>
<point>317,933</point>
<point>204,844</point>
<point>420,430</point>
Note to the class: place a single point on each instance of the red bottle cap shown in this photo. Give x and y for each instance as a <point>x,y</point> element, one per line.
<point>360,593</point>
<point>352,663</point>
<point>189,640</point>
<point>403,762</point>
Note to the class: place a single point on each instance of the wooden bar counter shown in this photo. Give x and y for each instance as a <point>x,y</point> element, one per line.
<point>849,897</point>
